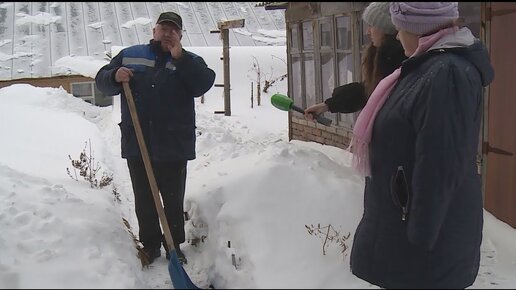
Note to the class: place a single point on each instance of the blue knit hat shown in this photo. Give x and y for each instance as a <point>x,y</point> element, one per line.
<point>377,15</point>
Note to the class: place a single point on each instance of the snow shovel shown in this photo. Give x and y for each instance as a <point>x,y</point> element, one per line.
<point>285,103</point>
<point>179,278</point>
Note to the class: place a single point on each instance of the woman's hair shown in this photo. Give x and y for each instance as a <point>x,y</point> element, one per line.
<point>368,69</point>
<point>374,67</point>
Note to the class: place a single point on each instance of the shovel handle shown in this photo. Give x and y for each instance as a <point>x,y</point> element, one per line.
<point>319,118</point>
<point>148,166</point>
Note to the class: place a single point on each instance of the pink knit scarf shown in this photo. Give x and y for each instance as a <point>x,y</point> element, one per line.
<point>363,129</point>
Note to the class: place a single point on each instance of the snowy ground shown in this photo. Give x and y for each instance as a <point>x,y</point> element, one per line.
<point>249,185</point>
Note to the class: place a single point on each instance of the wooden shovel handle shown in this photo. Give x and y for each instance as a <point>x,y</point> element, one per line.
<point>148,166</point>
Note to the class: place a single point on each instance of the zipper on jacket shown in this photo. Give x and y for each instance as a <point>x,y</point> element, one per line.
<point>399,186</point>
<point>404,207</point>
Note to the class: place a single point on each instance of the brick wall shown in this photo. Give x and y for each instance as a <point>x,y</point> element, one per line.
<point>304,130</point>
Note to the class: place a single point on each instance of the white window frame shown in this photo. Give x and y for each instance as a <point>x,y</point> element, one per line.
<point>90,99</point>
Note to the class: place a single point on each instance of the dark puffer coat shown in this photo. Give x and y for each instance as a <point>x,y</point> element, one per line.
<point>352,97</point>
<point>164,90</point>
<point>423,212</point>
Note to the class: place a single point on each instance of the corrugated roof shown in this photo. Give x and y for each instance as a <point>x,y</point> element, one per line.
<point>34,35</point>
<point>272,5</point>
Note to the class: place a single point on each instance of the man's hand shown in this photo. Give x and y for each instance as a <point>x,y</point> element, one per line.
<point>176,48</point>
<point>123,74</point>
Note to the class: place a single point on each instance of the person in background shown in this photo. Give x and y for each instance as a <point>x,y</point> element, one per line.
<point>383,55</point>
<point>164,79</point>
<point>416,143</point>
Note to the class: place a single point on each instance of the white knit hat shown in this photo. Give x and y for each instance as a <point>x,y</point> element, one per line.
<point>377,14</point>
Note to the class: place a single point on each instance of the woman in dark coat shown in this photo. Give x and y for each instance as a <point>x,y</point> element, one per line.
<point>383,55</point>
<point>416,142</point>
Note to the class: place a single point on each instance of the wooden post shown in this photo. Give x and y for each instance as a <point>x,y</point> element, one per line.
<point>225,56</point>
<point>252,90</point>
<point>258,88</point>
<point>224,27</point>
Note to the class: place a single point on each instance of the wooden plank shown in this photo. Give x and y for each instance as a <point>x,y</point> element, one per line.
<point>251,22</point>
<point>22,47</point>
<point>127,31</point>
<point>218,14</point>
<point>6,44</point>
<point>93,25</point>
<point>242,34</point>
<point>75,25</point>
<point>58,36</point>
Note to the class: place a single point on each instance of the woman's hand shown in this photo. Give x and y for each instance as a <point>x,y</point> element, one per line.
<point>315,110</point>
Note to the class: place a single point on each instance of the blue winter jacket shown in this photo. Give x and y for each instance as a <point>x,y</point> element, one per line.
<point>163,89</point>
<point>423,211</point>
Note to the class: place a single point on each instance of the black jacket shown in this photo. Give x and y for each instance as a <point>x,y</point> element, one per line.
<point>350,98</point>
<point>423,210</point>
<point>164,90</point>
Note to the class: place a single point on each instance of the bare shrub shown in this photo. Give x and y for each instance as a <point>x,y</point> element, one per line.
<point>329,234</point>
<point>89,170</point>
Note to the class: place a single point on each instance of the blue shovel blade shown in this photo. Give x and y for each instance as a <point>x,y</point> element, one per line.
<point>179,278</point>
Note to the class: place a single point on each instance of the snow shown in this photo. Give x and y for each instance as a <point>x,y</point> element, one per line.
<point>250,187</point>
<point>83,65</point>
<point>34,36</point>
<point>41,18</point>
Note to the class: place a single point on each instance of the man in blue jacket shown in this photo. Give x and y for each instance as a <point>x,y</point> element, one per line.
<point>164,79</point>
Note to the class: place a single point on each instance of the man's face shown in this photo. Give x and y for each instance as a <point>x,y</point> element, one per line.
<point>168,33</point>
